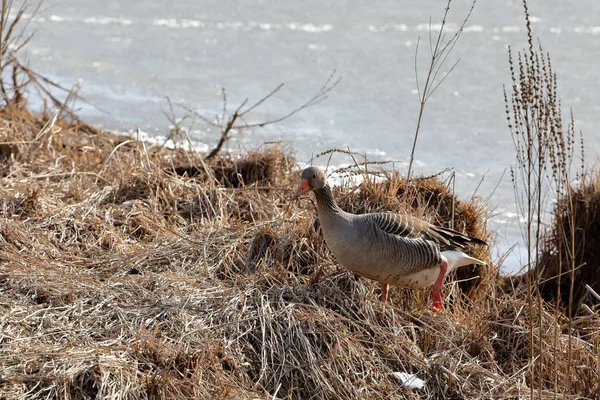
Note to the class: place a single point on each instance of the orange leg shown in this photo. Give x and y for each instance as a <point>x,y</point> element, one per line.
<point>438,299</point>
<point>384,292</point>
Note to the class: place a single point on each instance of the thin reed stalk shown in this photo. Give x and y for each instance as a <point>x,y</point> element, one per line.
<point>439,53</point>
<point>544,154</point>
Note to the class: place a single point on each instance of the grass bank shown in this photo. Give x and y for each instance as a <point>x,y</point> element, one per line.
<point>123,276</point>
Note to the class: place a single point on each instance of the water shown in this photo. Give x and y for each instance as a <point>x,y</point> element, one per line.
<point>128,56</point>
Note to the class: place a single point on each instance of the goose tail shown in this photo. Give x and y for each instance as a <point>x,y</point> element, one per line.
<point>457,259</point>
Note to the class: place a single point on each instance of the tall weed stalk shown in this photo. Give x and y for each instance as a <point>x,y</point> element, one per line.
<point>544,155</point>
<point>440,49</point>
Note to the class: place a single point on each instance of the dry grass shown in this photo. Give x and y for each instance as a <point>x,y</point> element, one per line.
<point>557,249</point>
<point>121,278</point>
<point>578,213</point>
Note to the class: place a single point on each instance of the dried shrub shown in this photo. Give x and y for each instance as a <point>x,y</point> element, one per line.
<point>255,167</point>
<point>578,213</point>
<point>555,373</point>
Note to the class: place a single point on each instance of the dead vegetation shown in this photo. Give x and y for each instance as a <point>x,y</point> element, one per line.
<point>558,243</point>
<point>578,213</point>
<point>122,278</point>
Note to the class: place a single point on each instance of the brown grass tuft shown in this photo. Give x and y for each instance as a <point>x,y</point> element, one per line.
<point>256,168</point>
<point>513,343</point>
<point>579,213</point>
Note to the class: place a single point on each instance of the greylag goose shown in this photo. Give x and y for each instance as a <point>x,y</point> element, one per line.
<point>389,248</point>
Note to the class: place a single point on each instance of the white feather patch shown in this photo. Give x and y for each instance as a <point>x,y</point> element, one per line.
<point>410,380</point>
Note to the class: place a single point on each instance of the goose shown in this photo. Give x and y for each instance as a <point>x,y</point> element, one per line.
<point>396,249</point>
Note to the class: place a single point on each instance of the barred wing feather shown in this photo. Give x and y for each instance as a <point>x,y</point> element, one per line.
<point>412,227</point>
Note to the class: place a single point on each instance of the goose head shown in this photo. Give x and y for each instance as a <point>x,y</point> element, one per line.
<point>312,178</point>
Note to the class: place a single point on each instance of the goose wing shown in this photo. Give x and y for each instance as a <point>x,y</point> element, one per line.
<point>413,227</point>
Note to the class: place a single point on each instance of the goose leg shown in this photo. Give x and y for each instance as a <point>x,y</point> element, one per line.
<point>438,299</point>
<point>384,292</point>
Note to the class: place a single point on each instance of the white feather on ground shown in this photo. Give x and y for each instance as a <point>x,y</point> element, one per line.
<point>410,380</point>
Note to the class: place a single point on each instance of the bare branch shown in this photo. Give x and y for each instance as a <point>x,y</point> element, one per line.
<point>268,96</point>
<point>416,66</point>
<point>226,130</point>
<point>439,53</point>
<point>236,120</point>
<point>433,89</point>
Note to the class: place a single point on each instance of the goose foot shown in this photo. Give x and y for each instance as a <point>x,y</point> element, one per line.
<point>384,292</point>
<point>438,298</point>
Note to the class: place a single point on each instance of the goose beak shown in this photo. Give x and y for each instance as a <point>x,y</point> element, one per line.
<point>303,188</point>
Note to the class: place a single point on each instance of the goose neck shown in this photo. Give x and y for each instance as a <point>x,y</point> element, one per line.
<point>325,200</point>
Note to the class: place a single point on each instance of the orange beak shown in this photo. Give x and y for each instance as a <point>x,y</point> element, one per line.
<point>303,188</point>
